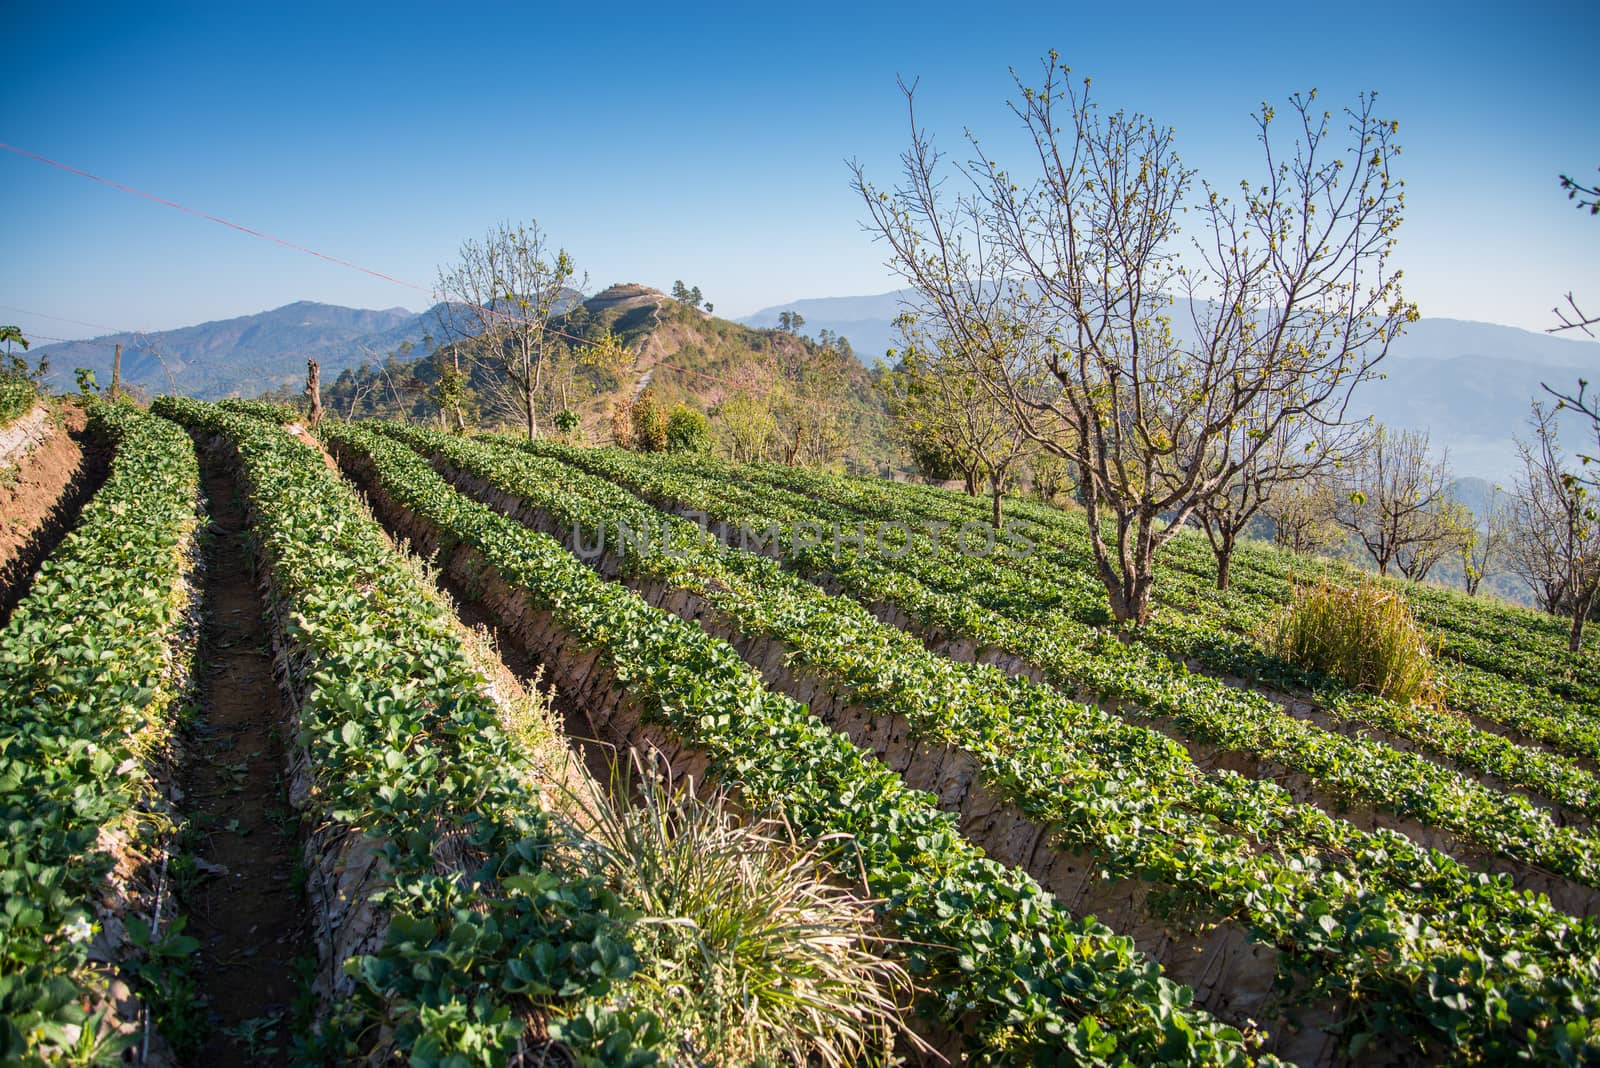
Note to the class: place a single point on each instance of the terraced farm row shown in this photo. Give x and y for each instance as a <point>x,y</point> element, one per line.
<point>1083,846</point>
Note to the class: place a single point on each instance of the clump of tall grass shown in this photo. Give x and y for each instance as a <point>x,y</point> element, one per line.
<point>1363,635</point>
<point>747,952</point>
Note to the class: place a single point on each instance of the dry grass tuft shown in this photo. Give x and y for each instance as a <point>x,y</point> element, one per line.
<point>1363,635</point>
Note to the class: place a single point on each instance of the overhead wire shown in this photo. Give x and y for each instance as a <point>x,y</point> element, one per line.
<point>433,293</point>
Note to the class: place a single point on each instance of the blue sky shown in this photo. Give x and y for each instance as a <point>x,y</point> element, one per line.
<point>709,144</point>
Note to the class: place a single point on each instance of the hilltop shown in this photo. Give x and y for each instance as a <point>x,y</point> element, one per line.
<point>685,355</point>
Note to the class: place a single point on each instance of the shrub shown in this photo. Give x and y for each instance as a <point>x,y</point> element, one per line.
<point>743,944</point>
<point>688,430</point>
<point>649,424</point>
<point>1363,635</point>
<point>622,423</point>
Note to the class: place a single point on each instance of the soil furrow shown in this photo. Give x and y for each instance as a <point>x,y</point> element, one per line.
<point>245,896</point>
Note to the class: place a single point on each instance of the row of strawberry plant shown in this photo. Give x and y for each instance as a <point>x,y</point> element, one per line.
<point>1520,644</point>
<point>267,411</point>
<point>1119,791</point>
<point>1504,698</point>
<point>937,590</point>
<point>1033,589</point>
<point>406,746</point>
<point>17,395</point>
<point>988,941</point>
<point>94,669</point>
<point>1525,711</point>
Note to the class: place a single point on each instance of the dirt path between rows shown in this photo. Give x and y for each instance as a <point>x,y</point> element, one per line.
<point>247,907</point>
<point>40,498</point>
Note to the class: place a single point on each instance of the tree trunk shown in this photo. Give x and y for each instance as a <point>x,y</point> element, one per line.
<point>1130,600</point>
<point>314,390</point>
<point>460,387</point>
<point>533,416</point>
<point>995,493</point>
<point>1225,563</point>
<point>116,371</point>
<point>1575,636</point>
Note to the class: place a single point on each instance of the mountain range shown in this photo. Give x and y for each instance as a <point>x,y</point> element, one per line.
<point>1468,384</point>
<point>247,355</point>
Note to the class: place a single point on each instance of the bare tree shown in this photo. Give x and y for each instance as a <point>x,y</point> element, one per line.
<point>1581,401</point>
<point>1555,541</point>
<point>744,418</point>
<point>1396,501</point>
<point>501,297</point>
<point>1291,298</point>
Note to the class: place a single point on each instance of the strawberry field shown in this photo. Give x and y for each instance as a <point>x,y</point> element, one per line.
<point>1080,843</point>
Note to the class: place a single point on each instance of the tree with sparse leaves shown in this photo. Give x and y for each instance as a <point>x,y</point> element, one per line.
<point>1062,280</point>
<point>939,407</point>
<point>1483,549</point>
<point>1555,539</point>
<point>1302,513</point>
<point>1278,456</point>
<point>1395,499</point>
<point>808,403</point>
<point>502,297</point>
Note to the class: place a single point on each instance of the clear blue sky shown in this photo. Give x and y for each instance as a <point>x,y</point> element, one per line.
<point>708,144</point>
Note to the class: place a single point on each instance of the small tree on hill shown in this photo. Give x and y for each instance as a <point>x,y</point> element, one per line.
<point>501,299</point>
<point>1302,515</point>
<point>1279,455</point>
<point>809,403</point>
<point>1483,549</point>
<point>649,423</point>
<point>686,295</point>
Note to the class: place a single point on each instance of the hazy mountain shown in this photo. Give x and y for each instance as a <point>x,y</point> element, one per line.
<point>1468,384</point>
<point>246,355</point>
<point>867,321</point>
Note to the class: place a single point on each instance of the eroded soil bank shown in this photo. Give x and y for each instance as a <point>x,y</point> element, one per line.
<point>44,482</point>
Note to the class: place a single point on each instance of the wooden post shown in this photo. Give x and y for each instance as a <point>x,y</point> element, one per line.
<point>116,371</point>
<point>314,390</point>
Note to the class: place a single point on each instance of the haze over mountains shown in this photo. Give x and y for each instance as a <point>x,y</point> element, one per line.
<point>1467,383</point>
<point>247,355</point>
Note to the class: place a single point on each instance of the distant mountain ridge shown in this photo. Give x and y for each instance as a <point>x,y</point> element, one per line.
<point>1469,384</point>
<point>247,354</point>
